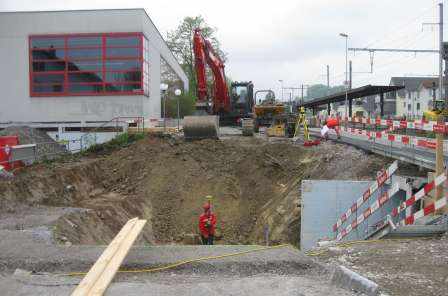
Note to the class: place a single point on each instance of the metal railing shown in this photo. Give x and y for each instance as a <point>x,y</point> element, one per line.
<point>86,139</point>
<point>416,146</point>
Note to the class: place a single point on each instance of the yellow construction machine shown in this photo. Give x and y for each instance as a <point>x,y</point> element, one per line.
<point>283,125</point>
<point>267,112</point>
<point>439,109</point>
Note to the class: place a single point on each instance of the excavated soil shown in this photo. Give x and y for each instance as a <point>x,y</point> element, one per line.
<point>255,184</point>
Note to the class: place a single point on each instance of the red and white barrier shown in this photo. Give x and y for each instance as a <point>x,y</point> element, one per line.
<point>431,126</point>
<point>427,210</point>
<point>380,180</point>
<point>369,211</point>
<point>385,135</point>
<point>418,196</point>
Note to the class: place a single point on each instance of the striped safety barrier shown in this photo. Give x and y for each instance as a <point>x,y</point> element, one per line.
<point>440,203</point>
<point>404,139</point>
<point>417,196</point>
<point>431,126</point>
<point>380,180</point>
<point>379,202</point>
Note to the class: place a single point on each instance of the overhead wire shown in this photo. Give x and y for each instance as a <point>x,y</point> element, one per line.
<point>393,30</point>
<point>408,41</point>
<point>392,37</point>
<point>391,40</point>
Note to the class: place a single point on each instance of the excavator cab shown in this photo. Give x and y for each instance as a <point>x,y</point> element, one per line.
<point>242,98</point>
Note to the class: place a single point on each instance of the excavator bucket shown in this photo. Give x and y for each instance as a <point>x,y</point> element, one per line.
<point>201,127</point>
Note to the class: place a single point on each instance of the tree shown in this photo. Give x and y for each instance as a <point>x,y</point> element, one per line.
<point>180,42</point>
<point>317,91</point>
<point>186,105</point>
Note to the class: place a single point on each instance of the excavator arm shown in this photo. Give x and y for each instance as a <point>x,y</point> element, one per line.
<point>204,53</point>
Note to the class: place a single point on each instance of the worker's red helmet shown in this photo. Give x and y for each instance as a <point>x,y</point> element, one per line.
<point>206,206</point>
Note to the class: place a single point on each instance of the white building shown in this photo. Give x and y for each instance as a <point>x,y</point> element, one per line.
<point>424,97</point>
<point>416,97</point>
<point>80,68</point>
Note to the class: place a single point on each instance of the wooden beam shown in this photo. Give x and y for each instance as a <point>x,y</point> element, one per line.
<point>102,264</point>
<point>440,165</point>
<point>106,277</point>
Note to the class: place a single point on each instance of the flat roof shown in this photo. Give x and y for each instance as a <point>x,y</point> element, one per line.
<point>355,93</point>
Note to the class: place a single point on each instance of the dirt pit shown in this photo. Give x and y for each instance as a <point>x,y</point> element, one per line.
<point>255,184</point>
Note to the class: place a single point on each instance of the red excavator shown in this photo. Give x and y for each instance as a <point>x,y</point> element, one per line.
<point>224,108</point>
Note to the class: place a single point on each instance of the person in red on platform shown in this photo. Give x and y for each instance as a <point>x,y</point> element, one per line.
<point>207,224</point>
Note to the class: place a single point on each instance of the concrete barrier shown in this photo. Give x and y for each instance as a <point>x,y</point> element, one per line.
<point>350,280</point>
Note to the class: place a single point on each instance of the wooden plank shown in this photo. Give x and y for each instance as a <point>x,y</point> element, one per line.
<point>97,269</point>
<point>106,277</point>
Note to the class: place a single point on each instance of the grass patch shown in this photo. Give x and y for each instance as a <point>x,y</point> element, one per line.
<point>122,140</point>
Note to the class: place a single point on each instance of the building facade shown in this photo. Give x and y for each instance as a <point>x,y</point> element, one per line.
<point>417,96</point>
<point>81,67</point>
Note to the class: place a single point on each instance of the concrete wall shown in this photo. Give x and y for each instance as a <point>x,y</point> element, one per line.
<point>324,201</point>
<point>16,103</point>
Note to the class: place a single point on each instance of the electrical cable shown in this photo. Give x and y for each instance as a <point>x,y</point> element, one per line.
<point>184,262</point>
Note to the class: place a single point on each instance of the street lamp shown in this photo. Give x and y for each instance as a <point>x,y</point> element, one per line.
<point>346,70</point>
<point>281,82</point>
<point>163,89</point>
<point>177,93</point>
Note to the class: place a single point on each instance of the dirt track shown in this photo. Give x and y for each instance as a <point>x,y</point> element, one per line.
<point>254,183</point>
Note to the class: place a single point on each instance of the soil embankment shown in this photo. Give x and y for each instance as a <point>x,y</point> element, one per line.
<point>255,184</point>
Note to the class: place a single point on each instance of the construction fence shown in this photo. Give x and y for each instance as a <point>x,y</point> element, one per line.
<point>397,204</point>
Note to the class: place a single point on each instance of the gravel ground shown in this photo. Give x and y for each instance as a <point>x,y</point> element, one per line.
<point>263,284</point>
<point>25,250</point>
<point>282,271</point>
<point>417,267</point>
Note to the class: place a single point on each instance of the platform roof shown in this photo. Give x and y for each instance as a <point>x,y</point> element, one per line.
<point>355,93</point>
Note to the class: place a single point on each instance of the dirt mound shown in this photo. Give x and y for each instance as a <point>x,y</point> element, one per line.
<point>255,184</point>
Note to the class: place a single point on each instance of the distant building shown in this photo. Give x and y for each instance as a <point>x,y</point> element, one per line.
<point>416,97</point>
<point>357,109</point>
<point>72,69</point>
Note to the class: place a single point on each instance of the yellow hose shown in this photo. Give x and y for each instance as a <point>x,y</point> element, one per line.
<point>180,263</point>
<point>186,261</point>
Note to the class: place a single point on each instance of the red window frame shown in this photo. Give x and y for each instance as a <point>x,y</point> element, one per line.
<point>101,69</point>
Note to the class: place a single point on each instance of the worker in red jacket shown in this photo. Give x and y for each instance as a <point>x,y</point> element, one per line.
<point>207,224</point>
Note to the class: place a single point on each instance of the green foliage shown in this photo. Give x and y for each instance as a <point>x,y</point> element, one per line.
<point>186,105</point>
<point>180,42</point>
<point>119,141</point>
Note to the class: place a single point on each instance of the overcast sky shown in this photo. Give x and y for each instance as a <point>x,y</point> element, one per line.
<point>294,40</point>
